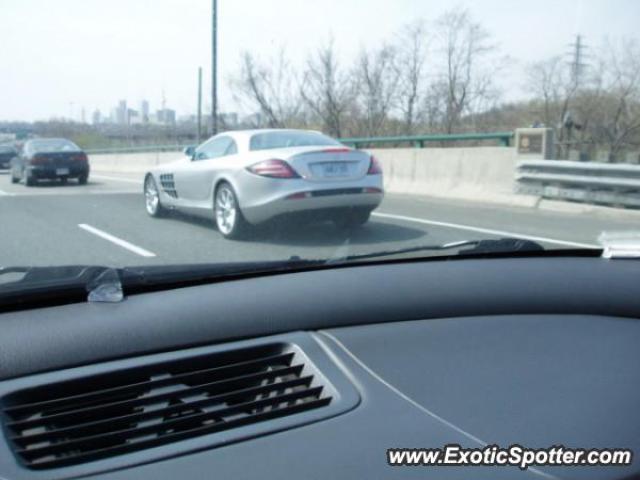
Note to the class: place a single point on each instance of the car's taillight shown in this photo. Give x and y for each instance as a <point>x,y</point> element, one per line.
<point>79,157</point>
<point>273,168</point>
<point>374,167</point>
<point>337,150</point>
<point>38,160</point>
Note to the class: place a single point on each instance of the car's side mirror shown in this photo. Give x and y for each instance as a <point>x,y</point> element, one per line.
<point>190,151</point>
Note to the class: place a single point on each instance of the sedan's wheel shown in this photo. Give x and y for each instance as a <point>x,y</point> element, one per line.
<point>13,178</point>
<point>229,219</point>
<point>82,179</point>
<point>152,198</point>
<point>29,181</point>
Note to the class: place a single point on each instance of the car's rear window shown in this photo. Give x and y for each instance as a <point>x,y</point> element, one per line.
<point>268,140</point>
<point>53,146</point>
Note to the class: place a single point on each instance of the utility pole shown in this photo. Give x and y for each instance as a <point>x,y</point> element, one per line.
<point>214,69</point>
<point>199,133</point>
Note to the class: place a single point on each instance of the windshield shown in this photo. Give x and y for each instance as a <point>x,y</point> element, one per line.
<point>265,141</point>
<point>251,135</point>
<point>53,145</point>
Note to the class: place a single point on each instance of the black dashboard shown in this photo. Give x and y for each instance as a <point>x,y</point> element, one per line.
<point>534,351</point>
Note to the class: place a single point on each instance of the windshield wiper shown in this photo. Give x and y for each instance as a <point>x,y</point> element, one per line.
<point>471,247</point>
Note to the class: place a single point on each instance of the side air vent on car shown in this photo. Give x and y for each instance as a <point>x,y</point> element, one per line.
<point>132,409</point>
<point>168,184</point>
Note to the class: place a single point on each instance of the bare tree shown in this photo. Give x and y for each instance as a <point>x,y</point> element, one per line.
<point>545,81</point>
<point>616,119</point>
<point>377,80</point>
<point>565,105</point>
<point>411,47</point>
<point>469,58</point>
<point>326,89</point>
<point>269,87</point>
<point>602,110</point>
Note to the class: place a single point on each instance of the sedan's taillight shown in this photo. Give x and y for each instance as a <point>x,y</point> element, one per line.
<point>79,157</point>
<point>374,167</point>
<point>38,160</point>
<point>273,168</point>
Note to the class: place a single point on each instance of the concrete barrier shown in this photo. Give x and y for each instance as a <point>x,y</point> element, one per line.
<point>479,173</point>
<point>130,162</point>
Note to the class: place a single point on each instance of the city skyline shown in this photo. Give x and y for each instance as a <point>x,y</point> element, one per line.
<point>135,55</point>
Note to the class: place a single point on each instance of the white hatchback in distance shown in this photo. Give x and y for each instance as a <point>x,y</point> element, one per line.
<point>243,178</point>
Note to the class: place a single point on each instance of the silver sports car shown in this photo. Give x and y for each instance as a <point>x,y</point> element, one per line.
<point>244,178</point>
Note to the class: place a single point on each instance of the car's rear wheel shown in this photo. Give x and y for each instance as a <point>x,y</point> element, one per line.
<point>152,198</point>
<point>352,218</point>
<point>63,180</point>
<point>29,181</point>
<point>14,179</point>
<point>82,179</point>
<point>229,219</point>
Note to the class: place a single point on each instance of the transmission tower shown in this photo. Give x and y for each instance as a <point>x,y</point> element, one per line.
<point>577,63</point>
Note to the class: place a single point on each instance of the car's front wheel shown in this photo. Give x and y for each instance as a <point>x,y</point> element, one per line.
<point>152,198</point>
<point>229,219</point>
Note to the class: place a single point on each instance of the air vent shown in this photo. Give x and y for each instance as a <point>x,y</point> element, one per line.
<point>168,184</point>
<point>128,410</point>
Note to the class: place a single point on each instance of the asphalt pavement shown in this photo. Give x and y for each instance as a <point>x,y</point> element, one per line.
<point>105,223</point>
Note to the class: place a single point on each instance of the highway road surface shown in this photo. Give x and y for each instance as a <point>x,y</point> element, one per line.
<point>105,223</point>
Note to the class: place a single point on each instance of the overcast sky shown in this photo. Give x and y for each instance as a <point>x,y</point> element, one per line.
<point>59,56</point>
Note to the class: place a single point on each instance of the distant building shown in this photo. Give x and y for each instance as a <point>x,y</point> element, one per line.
<point>166,116</point>
<point>119,113</point>
<point>144,111</point>
<point>96,118</point>
<point>133,117</point>
<point>187,119</point>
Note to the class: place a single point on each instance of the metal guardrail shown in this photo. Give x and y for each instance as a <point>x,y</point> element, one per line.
<point>590,182</point>
<point>418,141</point>
<point>138,149</point>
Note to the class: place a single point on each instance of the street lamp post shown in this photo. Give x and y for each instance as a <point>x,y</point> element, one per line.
<point>214,61</point>
<point>199,132</point>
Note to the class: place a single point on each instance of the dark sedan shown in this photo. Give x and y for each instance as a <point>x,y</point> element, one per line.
<point>7,153</point>
<point>50,159</point>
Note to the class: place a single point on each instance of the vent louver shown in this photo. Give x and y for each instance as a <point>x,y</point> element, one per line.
<point>168,184</point>
<point>129,410</point>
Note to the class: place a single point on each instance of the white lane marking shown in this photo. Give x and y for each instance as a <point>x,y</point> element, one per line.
<point>117,179</point>
<point>6,194</point>
<point>502,233</point>
<point>410,400</point>
<point>118,241</point>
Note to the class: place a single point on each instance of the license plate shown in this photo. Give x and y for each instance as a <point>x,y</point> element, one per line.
<point>335,169</point>
<point>62,171</point>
